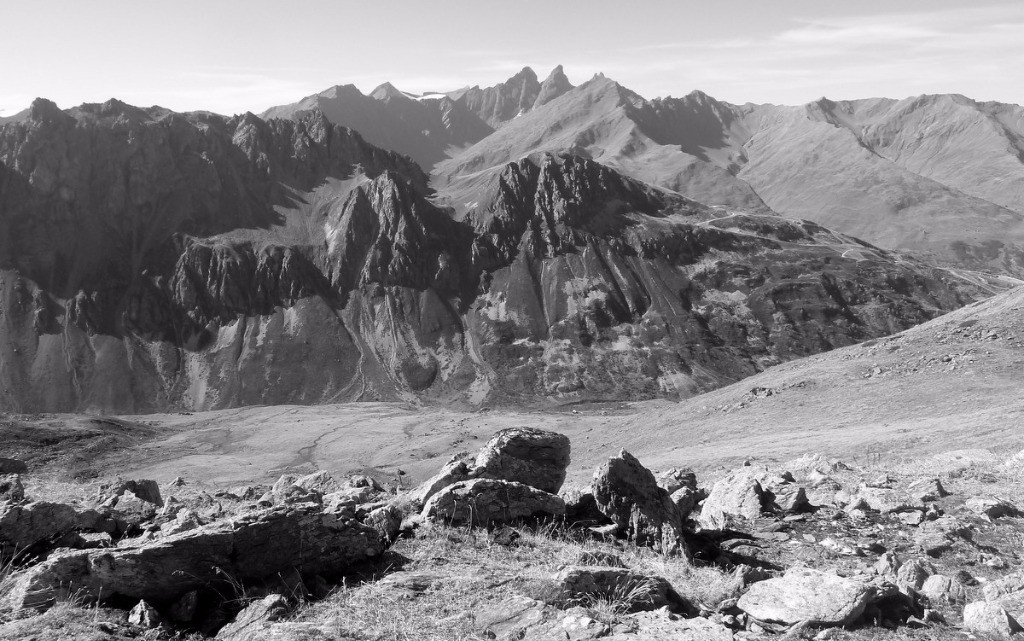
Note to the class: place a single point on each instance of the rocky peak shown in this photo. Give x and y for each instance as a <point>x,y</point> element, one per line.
<point>43,110</point>
<point>556,203</point>
<point>553,86</point>
<point>504,101</point>
<point>388,91</point>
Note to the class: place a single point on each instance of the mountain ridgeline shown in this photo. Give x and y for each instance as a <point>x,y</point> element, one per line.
<point>940,176</point>
<point>153,260</point>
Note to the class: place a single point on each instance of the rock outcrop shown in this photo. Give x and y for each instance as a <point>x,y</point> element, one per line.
<point>627,493</point>
<point>533,457</point>
<point>249,548</point>
<point>27,526</point>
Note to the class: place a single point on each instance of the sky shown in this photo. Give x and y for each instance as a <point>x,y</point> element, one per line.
<point>233,56</point>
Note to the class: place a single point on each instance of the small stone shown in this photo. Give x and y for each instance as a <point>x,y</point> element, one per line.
<point>183,610</point>
<point>912,518</point>
<point>11,489</point>
<point>145,615</point>
<point>250,623</point>
<point>942,589</point>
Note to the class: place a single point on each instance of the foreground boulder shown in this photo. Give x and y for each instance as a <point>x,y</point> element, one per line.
<point>248,549</point>
<point>490,501</point>
<point>533,457</point>
<point>627,493</point>
<point>807,595</point>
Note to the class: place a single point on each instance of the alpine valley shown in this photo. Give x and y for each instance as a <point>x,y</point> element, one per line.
<point>533,242</point>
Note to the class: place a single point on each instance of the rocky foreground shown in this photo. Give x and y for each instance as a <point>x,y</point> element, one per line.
<point>496,546</point>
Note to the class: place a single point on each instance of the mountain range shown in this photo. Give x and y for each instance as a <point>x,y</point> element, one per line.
<point>941,176</point>
<point>567,243</point>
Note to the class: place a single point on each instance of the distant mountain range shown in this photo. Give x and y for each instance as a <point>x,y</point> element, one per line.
<point>941,176</point>
<point>568,243</point>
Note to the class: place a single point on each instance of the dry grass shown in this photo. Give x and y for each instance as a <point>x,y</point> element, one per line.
<point>466,576</point>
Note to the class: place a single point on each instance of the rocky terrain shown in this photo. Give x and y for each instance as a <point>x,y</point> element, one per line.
<point>156,261</point>
<point>496,545</point>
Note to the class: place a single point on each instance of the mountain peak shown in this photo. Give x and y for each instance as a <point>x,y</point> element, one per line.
<point>554,86</point>
<point>43,109</point>
<point>340,90</point>
<point>387,91</point>
<point>526,73</point>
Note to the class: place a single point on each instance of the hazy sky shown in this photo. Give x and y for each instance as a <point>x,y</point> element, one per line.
<point>234,56</point>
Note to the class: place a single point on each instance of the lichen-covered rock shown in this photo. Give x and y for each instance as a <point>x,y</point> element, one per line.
<point>534,457</point>
<point>989,619</point>
<point>31,524</point>
<point>491,501</point>
<point>912,574</point>
<point>386,519</point>
<point>455,470</point>
<point>991,508</point>
<point>807,595</point>
<point>941,589</point>
<point>145,615</point>
<point>248,548</point>
<point>738,494</point>
<point>682,488</point>
<point>627,493</point>
<point>887,500</point>
<point>146,490</point>
<point>251,623</point>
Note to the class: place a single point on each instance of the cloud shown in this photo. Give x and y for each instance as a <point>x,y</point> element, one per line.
<point>856,35</point>
<point>973,50</point>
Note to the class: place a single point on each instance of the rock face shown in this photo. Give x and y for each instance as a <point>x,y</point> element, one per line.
<point>489,501</point>
<point>152,260</point>
<point>627,493</point>
<point>808,595</point>
<point>249,548</point>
